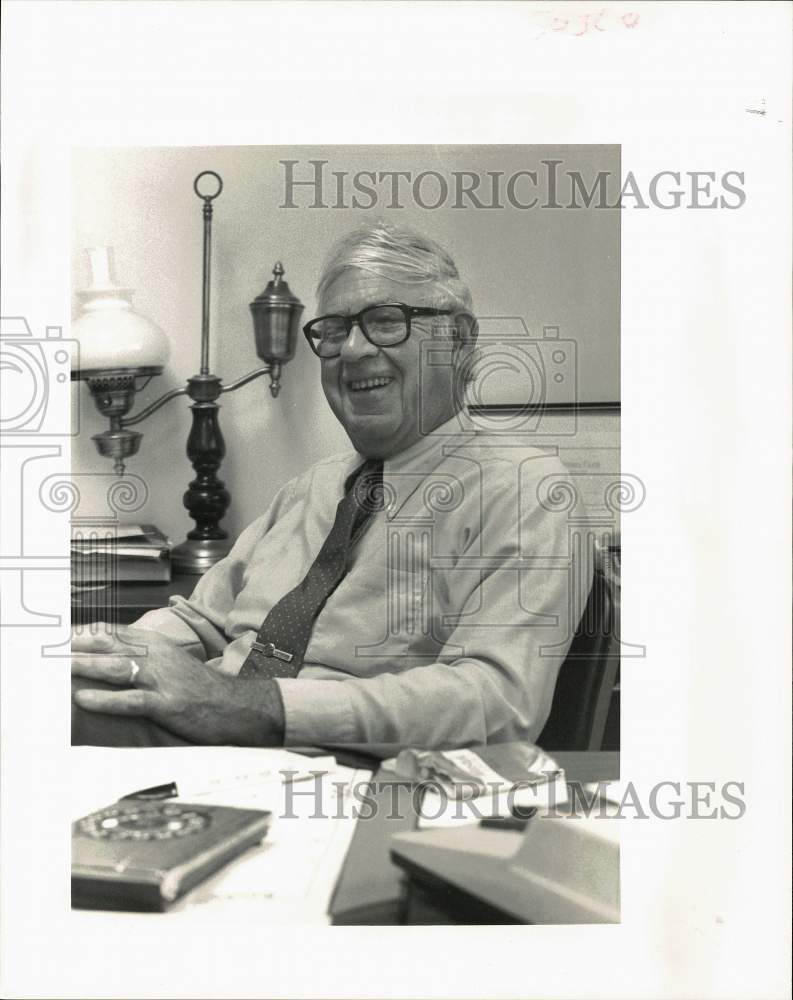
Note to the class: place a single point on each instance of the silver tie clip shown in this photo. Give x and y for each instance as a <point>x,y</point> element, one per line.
<point>270,650</point>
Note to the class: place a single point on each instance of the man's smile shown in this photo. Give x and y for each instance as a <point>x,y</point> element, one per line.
<point>370,395</point>
<point>368,384</point>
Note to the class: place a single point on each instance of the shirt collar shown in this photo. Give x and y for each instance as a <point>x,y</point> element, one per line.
<point>409,468</point>
<point>428,451</point>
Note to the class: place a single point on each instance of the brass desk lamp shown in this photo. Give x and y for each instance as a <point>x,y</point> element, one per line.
<point>120,351</point>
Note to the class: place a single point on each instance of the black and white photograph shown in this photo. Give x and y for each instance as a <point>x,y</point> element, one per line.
<point>381,416</point>
<point>438,601</point>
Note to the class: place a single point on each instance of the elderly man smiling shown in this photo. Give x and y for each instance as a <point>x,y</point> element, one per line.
<point>412,590</point>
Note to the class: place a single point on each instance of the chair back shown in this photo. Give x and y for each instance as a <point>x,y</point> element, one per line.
<point>582,697</point>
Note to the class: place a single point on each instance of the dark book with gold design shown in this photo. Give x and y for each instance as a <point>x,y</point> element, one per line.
<point>139,855</point>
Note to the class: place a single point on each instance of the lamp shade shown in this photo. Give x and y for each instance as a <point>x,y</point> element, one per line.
<point>109,331</point>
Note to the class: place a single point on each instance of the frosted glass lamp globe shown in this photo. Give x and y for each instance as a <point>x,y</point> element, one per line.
<point>110,333</point>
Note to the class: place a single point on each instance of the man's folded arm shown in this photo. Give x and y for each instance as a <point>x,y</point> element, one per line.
<point>197,622</point>
<point>491,695</point>
<point>494,680</point>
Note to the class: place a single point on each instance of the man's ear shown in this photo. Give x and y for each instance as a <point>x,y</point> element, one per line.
<point>466,332</point>
<point>467,328</point>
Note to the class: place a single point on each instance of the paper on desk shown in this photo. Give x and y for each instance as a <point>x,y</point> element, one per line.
<point>469,784</point>
<point>82,529</point>
<point>291,876</point>
<point>102,775</point>
<point>95,551</point>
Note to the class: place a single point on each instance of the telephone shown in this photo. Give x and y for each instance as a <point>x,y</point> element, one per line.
<point>548,869</point>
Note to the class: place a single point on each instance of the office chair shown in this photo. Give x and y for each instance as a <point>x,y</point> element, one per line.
<point>584,687</point>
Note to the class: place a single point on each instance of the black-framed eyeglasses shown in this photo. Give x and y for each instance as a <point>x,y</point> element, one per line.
<point>383,325</point>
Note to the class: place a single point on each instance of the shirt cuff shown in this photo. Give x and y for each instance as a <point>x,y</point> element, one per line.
<point>316,711</point>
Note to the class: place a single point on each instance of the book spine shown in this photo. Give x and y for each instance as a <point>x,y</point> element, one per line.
<point>183,877</point>
<point>96,889</point>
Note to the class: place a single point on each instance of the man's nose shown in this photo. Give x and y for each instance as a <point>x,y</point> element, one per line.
<point>356,346</point>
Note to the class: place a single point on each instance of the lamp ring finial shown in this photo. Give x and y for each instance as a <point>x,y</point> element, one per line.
<point>208,173</point>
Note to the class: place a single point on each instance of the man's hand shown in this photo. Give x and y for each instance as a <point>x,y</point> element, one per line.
<point>158,679</point>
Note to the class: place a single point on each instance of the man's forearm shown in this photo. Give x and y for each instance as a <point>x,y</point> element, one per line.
<point>247,712</point>
<point>271,707</point>
<point>259,722</point>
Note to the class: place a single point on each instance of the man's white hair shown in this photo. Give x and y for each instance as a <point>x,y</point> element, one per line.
<point>399,254</point>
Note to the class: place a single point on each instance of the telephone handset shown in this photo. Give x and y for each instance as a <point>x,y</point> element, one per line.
<point>550,869</point>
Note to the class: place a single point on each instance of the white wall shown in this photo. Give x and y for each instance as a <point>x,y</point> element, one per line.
<point>549,267</point>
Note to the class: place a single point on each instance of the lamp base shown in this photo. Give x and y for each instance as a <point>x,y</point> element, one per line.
<point>195,555</point>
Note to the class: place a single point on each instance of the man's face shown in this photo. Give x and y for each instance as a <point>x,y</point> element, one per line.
<point>384,419</point>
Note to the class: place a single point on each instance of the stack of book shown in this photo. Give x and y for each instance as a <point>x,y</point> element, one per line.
<point>101,554</point>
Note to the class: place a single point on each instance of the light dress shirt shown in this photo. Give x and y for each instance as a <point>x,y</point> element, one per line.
<point>457,610</point>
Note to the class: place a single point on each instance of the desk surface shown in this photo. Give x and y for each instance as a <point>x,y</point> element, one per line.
<point>369,890</point>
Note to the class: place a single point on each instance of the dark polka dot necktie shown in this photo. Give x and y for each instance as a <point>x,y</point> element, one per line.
<point>280,645</point>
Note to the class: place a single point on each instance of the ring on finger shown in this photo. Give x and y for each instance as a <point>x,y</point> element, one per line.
<point>134,667</point>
